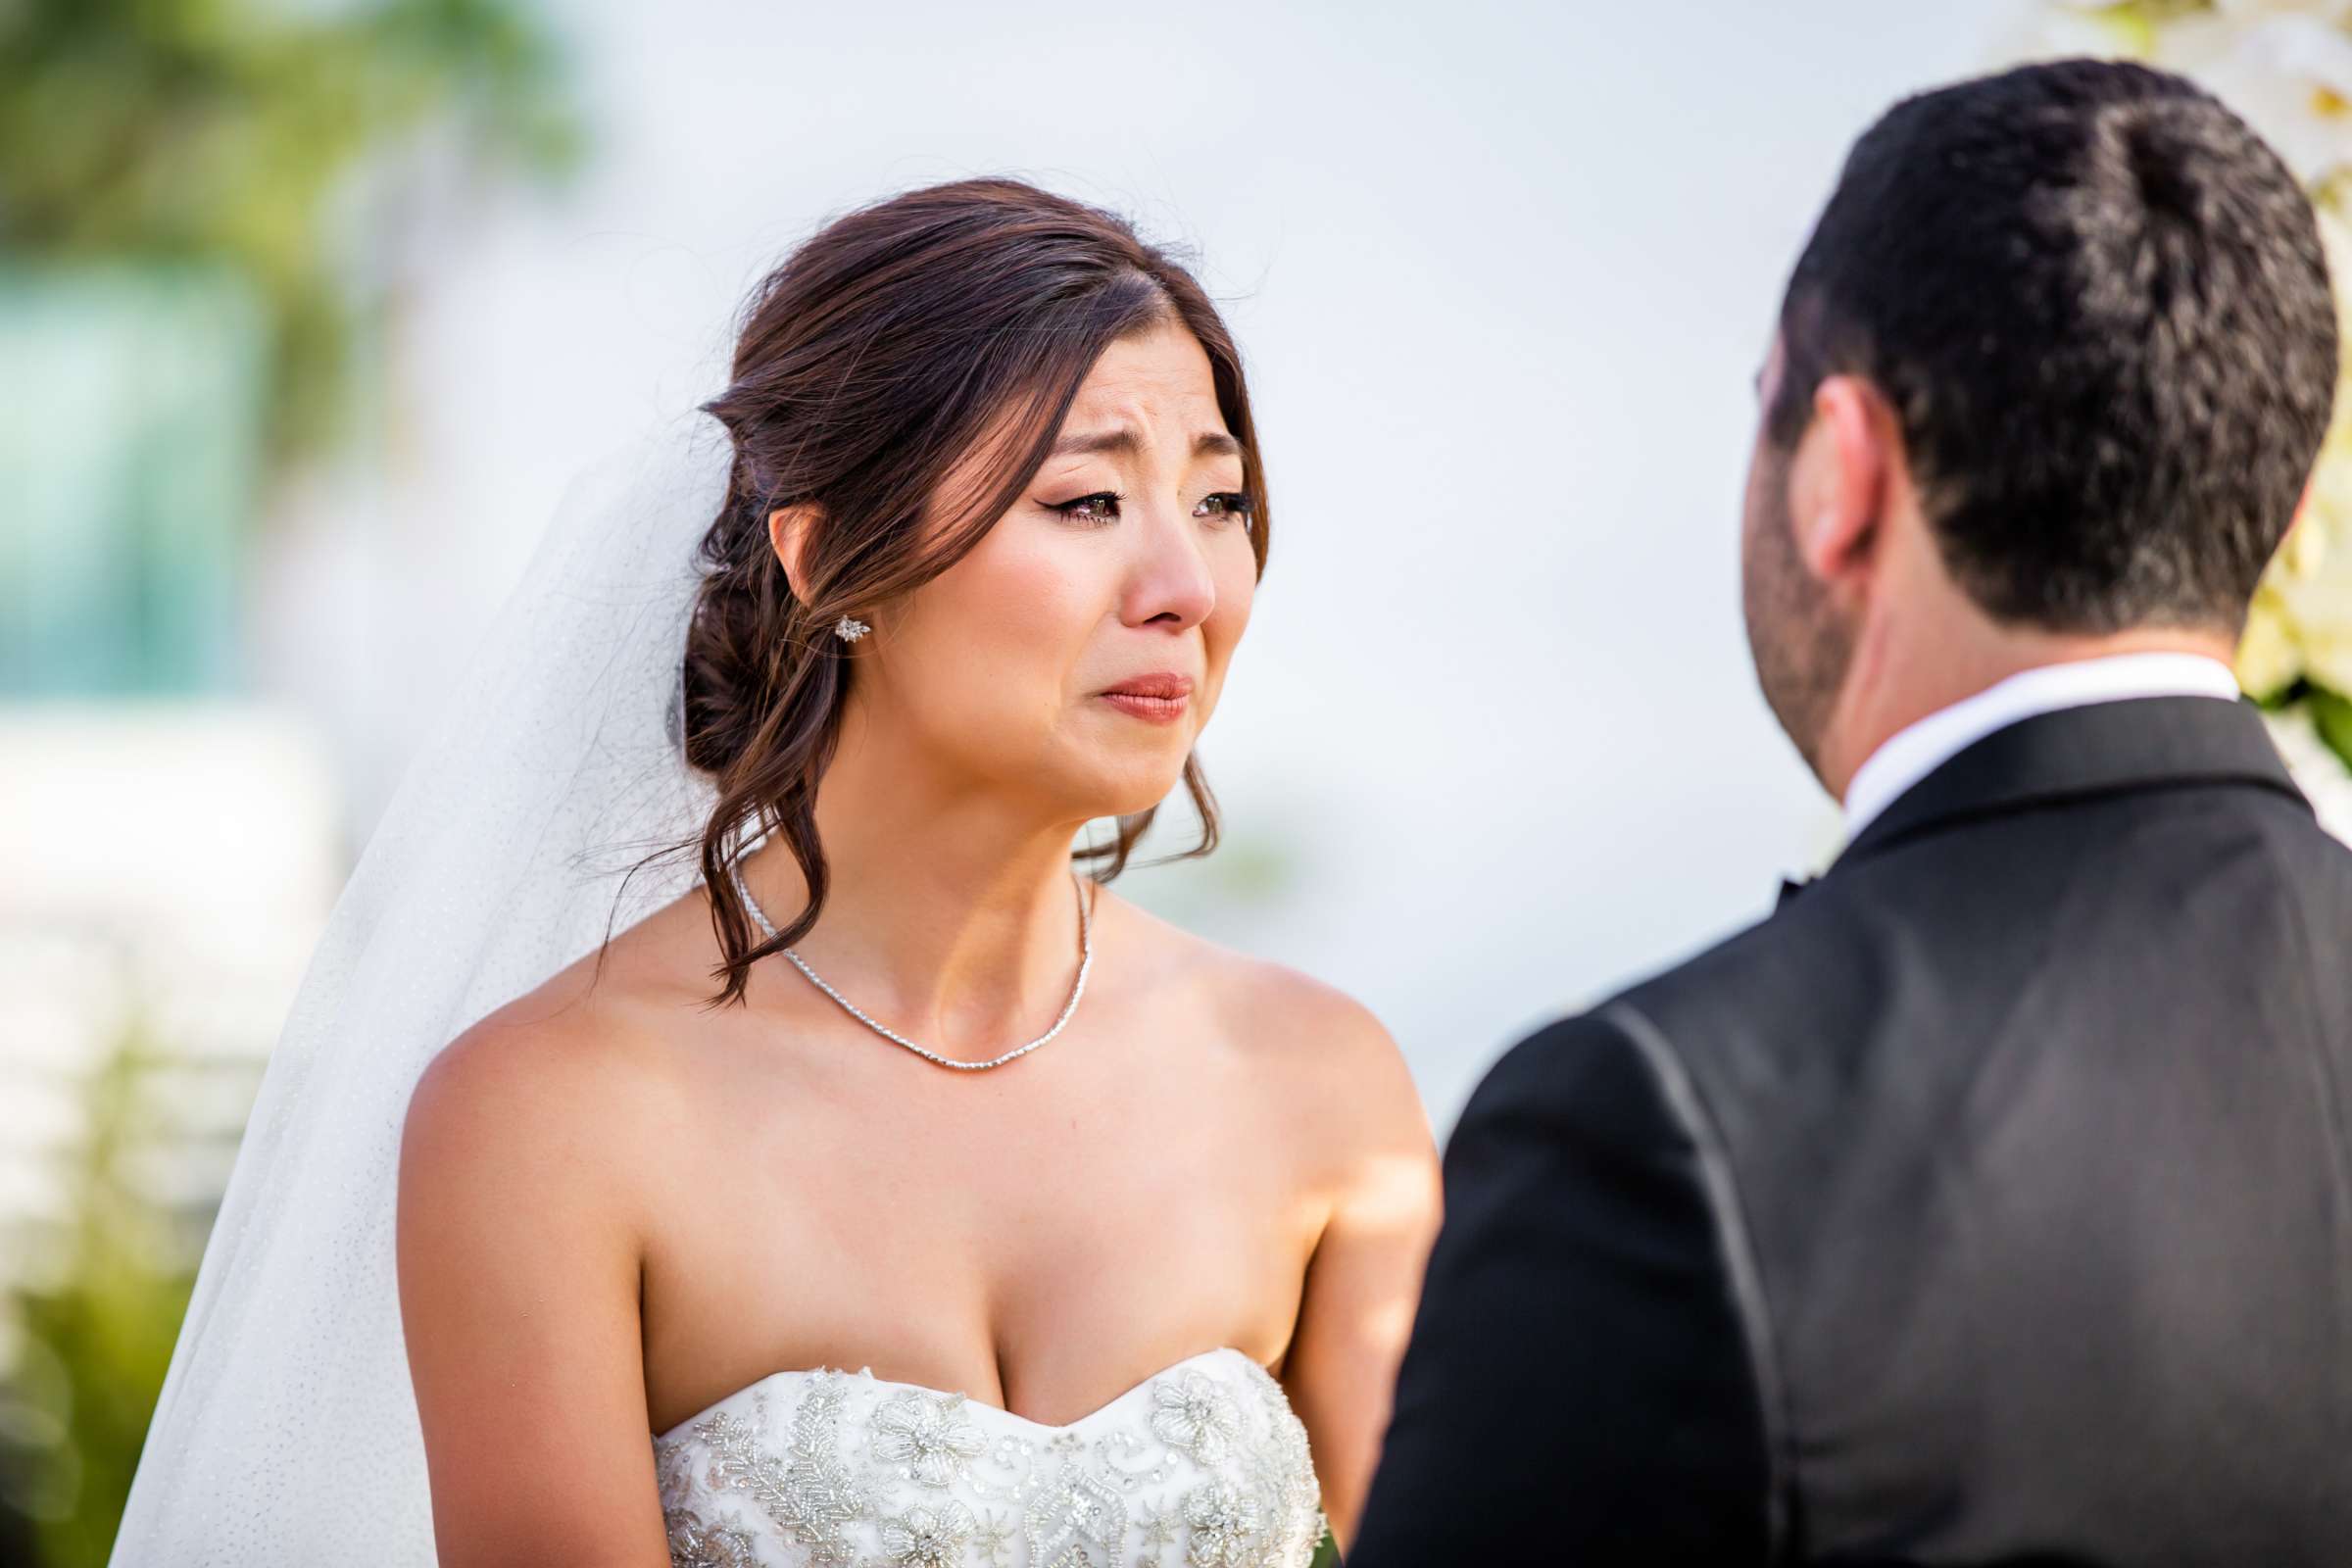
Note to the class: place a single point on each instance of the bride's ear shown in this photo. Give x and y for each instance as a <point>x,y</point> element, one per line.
<point>788,529</point>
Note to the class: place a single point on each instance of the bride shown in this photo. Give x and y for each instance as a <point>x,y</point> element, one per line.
<point>890,1192</point>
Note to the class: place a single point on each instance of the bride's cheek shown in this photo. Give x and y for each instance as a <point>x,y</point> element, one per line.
<point>1237,593</point>
<point>1034,576</point>
<point>1003,611</point>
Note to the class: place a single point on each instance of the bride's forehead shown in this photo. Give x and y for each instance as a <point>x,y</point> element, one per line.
<point>1157,375</point>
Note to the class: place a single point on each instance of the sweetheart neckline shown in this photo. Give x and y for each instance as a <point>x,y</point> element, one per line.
<point>989,1411</point>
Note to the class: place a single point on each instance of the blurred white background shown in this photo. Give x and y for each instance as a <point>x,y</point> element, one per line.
<point>1503,274</point>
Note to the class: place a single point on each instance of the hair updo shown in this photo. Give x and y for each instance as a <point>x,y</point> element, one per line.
<point>878,357</point>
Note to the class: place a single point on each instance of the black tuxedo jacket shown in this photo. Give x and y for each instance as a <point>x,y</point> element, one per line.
<point>1989,1203</point>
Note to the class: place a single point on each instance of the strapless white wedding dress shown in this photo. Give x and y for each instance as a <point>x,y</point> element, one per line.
<point>1202,1465</point>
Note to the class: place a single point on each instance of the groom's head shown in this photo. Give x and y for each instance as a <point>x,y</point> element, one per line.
<point>2051,372</point>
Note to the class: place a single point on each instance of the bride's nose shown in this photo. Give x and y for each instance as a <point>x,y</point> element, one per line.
<point>1169,581</point>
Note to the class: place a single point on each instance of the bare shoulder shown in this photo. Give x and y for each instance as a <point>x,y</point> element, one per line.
<point>555,1090</point>
<point>1329,1050</point>
<point>523,1219</point>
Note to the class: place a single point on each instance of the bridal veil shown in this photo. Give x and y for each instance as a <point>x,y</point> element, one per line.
<point>287,1429</point>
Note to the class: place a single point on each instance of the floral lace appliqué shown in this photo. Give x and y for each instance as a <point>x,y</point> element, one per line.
<point>1223,1519</point>
<point>928,1436</point>
<point>695,1541</point>
<point>928,1538</point>
<point>1203,1466</point>
<point>807,1493</point>
<point>1192,1413</point>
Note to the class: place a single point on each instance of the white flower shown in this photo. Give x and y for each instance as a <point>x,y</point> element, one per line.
<point>2300,622</point>
<point>2290,75</point>
<point>2318,772</point>
<point>1192,1413</point>
<point>928,1437</point>
<point>2268,659</point>
<point>2286,66</point>
<point>2063,29</point>
<point>926,1537</point>
<point>1223,1518</point>
<point>2337,12</point>
<point>693,1544</point>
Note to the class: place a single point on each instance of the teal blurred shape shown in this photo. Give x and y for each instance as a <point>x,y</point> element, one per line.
<point>133,407</point>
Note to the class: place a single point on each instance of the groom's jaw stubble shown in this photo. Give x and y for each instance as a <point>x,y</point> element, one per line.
<point>1800,646</point>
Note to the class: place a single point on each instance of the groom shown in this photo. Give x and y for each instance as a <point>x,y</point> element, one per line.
<point>1992,1201</point>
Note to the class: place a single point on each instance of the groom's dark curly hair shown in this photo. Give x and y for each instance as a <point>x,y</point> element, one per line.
<point>2098,305</point>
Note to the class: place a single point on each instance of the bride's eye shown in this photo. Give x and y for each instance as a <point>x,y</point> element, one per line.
<point>1229,505</point>
<point>1099,507</point>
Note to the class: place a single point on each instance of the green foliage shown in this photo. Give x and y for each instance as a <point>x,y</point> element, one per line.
<point>2330,713</point>
<point>98,1342</point>
<point>2333,717</point>
<point>2137,20</point>
<point>220,130</point>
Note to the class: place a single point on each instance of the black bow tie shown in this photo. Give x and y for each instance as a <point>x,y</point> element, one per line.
<point>1789,889</point>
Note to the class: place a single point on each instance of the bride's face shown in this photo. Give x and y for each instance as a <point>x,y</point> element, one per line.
<point>1075,652</point>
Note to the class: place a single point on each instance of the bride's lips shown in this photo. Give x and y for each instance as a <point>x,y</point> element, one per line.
<point>1159,697</point>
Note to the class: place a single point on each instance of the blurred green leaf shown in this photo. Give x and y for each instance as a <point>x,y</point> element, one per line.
<point>222,129</point>
<point>98,1342</point>
<point>2333,717</point>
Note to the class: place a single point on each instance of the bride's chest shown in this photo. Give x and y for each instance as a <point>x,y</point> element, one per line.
<point>983,1254</point>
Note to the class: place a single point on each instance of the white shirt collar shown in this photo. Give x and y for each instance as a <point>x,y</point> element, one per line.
<point>1913,753</point>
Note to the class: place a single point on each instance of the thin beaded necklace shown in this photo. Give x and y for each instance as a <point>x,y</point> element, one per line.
<point>1086,962</point>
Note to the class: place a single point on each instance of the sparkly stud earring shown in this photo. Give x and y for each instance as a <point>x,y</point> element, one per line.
<point>849,631</point>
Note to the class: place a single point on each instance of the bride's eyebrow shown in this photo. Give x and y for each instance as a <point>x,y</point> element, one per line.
<point>1125,442</point>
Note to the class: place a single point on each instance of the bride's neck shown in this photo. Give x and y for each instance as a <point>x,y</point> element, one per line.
<point>950,915</point>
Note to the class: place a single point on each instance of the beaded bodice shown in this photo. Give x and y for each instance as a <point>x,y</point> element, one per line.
<point>1202,1465</point>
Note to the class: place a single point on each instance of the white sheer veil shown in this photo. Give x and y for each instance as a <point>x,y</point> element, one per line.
<point>287,1431</point>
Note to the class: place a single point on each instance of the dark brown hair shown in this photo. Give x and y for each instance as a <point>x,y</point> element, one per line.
<point>885,352</point>
<point>2098,305</point>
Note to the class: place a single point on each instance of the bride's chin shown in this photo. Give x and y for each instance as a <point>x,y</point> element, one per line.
<point>1124,793</point>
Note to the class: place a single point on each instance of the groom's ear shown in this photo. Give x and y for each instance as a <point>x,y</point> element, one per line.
<point>788,533</point>
<point>1841,478</point>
